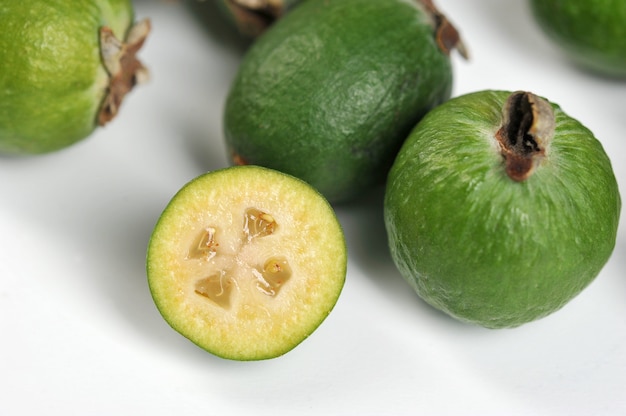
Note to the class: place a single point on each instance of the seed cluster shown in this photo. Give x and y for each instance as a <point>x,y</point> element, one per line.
<point>218,286</point>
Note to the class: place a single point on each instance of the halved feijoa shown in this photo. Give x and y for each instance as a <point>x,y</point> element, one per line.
<point>246,262</point>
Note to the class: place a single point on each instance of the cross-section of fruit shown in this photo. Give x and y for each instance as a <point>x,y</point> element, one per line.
<point>246,262</point>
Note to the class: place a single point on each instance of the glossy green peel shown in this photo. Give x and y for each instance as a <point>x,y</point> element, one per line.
<point>501,208</point>
<point>331,90</point>
<point>62,69</point>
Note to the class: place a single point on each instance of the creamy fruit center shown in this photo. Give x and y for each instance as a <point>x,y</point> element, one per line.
<point>218,286</point>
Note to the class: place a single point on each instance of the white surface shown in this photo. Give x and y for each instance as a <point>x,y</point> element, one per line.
<point>81,335</point>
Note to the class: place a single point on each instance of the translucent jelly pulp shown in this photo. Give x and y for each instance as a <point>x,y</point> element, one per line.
<point>218,285</point>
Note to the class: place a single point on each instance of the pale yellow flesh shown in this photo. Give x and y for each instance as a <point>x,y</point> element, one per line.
<point>246,262</point>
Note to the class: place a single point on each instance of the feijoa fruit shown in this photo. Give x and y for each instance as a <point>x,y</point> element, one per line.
<point>66,66</point>
<point>590,32</point>
<point>246,262</point>
<point>501,208</point>
<point>330,90</point>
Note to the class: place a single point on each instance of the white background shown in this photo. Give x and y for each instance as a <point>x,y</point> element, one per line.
<point>80,334</point>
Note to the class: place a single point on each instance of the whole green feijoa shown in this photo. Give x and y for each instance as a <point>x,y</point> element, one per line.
<point>500,208</point>
<point>66,66</point>
<point>253,17</point>
<point>591,32</point>
<point>329,92</point>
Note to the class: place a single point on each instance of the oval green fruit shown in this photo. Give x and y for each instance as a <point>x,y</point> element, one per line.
<point>246,262</point>
<point>331,90</point>
<point>591,32</point>
<point>66,66</point>
<point>500,208</point>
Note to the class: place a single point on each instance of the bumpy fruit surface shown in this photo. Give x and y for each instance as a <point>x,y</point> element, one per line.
<point>591,32</point>
<point>332,89</point>
<point>66,66</point>
<point>501,208</point>
<point>246,262</point>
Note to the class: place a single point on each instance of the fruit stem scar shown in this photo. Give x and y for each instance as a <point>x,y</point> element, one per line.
<point>254,16</point>
<point>124,69</point>
<point>527,128</point>
<point>446,35</point>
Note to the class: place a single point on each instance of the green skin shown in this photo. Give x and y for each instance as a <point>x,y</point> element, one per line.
<point>52,80</point>
<point>483,248</point>
<point>591,32</point>
<point>331,90</point>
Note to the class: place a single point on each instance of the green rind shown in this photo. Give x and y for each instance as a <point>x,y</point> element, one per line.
<point>52,80</point>
<point>331,90</point>
<point>591,32</point>
<point>329,250</point>
<point>483,248</point>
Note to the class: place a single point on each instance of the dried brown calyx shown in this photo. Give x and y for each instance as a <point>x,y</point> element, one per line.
<point>254,16</point>
<point>446,35</point>
<point>237,159</point>
<point>121,63</point>
<point>527,129</point>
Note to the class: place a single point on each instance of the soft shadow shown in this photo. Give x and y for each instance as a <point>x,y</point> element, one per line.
<point>104,226</point>
<point>512,20</point>
<point>208,14</point>
<point>365,232</point>
<point>619,252</point>
<point>368,251</point>
<point>206,153</point>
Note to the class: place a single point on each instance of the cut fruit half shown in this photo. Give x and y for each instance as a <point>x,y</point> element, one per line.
<point>246,262</point>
